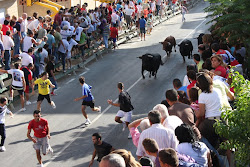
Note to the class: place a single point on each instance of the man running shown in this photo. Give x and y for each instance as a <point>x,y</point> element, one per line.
<point>3,111</point>
<point>88,100</point>
<point>43,90</point>
<point>125,105</point>
<point>41,137</point>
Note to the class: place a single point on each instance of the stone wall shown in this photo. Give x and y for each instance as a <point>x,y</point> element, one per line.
<point>9,6</point>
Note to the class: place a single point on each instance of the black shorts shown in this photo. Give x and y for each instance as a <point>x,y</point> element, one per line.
<point>142,30</point>
<point>19,89</point>
<point>91,104</point>
<point>41,97</point>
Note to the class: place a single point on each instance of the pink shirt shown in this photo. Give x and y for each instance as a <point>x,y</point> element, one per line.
<point>135,135</point>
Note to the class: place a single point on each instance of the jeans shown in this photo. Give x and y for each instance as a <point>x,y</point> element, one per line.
<point>62,56</point>
<point>2,134</point>
<point>36,72</point>
<point>158,7</point>
<point>17,44</point>
<point>56,55</point>
<point>105,40</point>
<point>7,59</point>
<point>23,34</point>
<point>53,82</point>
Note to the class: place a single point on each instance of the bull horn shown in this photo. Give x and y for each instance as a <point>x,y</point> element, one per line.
<point>150,56</point>
<point>161,42</point>
<point>139,57</point>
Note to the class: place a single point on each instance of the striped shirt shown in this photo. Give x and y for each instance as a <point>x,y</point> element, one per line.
<point>164,137</point>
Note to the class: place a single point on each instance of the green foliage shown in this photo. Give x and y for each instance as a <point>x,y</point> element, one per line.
<point>233,22</point>
<point>237,129</point>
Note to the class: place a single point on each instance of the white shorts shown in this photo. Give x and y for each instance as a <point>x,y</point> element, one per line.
<point>42,144</point>
<point>127,115</point>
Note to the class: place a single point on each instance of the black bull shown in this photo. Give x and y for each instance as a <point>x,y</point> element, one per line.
<point>186,49</point>
<point>151,63</point>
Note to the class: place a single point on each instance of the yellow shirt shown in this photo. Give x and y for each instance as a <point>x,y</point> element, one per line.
<point>43,86</point>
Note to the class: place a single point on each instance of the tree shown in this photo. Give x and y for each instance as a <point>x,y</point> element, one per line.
<point>237,129</point>
<point>231,20</point>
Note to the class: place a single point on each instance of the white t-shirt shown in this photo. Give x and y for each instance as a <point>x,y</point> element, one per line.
<point>172,122</point>
<point>200,156</point>
<point>114,17</point>
<point>66,33</point>
<point>72,43</point>
<point>185,81</point>
<point>24,25</point>
<point>66,45</point>
<point>26,59</point>
<point>78,33</point>
<point>2,20</point>
<point>16,77</point>
<point>3,111</point>
<point>158,2</point>
<point>212,103</point>
<point>33,25</point>
<point>27,43</point>
<point>65,23</point>
<point>7,42</point>
<point>44,54</point>
<point>129,12</point>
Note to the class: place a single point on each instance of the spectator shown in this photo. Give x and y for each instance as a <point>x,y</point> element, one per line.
<point>50,69</point>
<point>29,81</point>
<point>23,28</point>
<point>135,133</point>
<point>36,60</point>
<point>183,97</point>
<point>7,44</point>
<point>201,48</point>
<point>101,148</point>
<point>17,36</point>
<point>51,41</point>
<point>57,19</point>
<point>43,59</point>
<point>152,149</point>
<point>26,58</point>
<point>150,24</point>
<point>165,138</point>
<point>112,160</point>
<point>58,42</point>
<point>63,51</point>
<point>114,34</point>
<point>142,27</point>
<point>186,82</point>
<point>198,61</point>
<point>28,41</point>
<point>128,157</point>
<point>191,77</point>
<point>106,32</point>
<point>178,85</point>
<point>42,31</point>
<point>220,68</point>
<point>6,17</point>
<point>5,27</point>
<point>168,158</point>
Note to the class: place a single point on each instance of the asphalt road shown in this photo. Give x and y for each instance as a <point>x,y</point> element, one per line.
<point>70,139</point>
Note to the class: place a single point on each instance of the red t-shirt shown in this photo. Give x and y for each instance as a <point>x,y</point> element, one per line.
<point>113,32</point>
<point>223,71</point>
<point>39,128</point>
<point>191,85</point>
<point>58,18</point>
<point>5,29</point>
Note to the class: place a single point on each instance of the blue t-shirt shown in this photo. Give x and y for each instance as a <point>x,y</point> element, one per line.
<point>86,90</point>
<point>142,23</point>
<point>51,40</point>
<point>183,88</point>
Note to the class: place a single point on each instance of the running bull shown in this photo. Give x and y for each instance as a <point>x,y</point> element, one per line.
<point>168,44</point>
<point>151,63</point>
<point>186,48</point>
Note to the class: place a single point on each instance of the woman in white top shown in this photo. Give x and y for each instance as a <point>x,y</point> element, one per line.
<point>189,145</point>
<point>209,108</point>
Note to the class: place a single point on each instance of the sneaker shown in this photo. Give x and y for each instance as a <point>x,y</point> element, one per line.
<point>2,149</point>
<point>124,126</point>
<point>87,122</point>
<point>53,105</point>
<point>40,165</point>
<point>100,109</point>
<point>129,136</point>
<point>53,94</point>
<point>50,151</point>
<point>22,110</point>
<point>28,103</point>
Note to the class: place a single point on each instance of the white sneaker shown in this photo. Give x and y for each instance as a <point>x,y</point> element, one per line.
<point>124,126</point>
<point>40,165</point>
<point>22,110</point>
<point>87,122</point>
<point>28,103</point>
<point>100,109</point>
<point>129,136</point>
<point>2,149</point>
<point>53,105</point>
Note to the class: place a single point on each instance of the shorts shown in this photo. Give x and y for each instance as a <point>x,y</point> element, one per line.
<point>27,90</point>
<point>91,104</point>
<point>127,115</point>
<point>19,89</point>
<point>41,97</point>
<point>114,40</point>
<point>142,31</point>
<point>42,143</point>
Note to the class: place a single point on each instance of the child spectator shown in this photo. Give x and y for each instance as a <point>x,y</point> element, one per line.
<point>114,34</point>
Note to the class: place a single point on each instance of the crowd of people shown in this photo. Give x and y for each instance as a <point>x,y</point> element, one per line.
<point>178,132</point>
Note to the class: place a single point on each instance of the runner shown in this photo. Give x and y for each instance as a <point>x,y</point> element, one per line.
<point>18,83</point>
<point>88,100</point>
<point>125,105</point>
<point>3,111</point>
<point>183,11</point>
<point>41,137</point>
<point>43,90</point>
